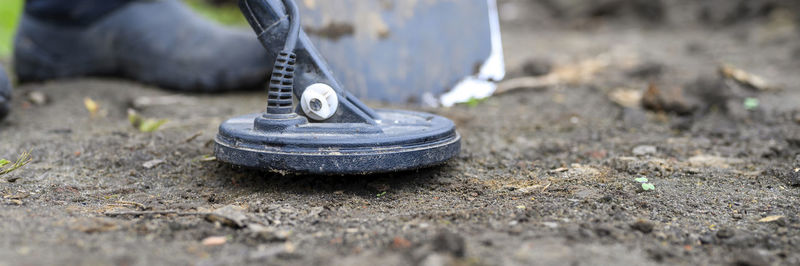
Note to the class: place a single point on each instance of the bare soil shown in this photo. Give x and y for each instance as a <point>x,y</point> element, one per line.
<point>545,177</point>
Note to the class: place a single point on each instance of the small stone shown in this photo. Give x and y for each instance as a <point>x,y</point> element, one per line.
<point>634,117</point>
<point>436,260</point>
<point>550,225</point>
<point>794,177</point>
<point>797,117</point>
<point>751,258</point>
<point>537,67</point>
<point>447,242</point>
<point>604,231</point>
<point>231,215</point>
<point>37,98</point>
<point>643,226</point>
<point>268,234</point>
<point>706,239</point>
<point>725,233</point>
<point>652,11</point>
<point>646,70</point>
<point>400,243</point>
<point>628,98</point>
<point>315,211</point>
<point>644,150</point>
<point>674,99</point>
<point>214,241</point>
<point>152,163</point>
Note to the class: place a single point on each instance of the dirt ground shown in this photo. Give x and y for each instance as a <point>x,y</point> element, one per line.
<point>546,175</point>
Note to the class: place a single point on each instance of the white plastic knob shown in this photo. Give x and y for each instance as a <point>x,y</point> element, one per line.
<point>319,101</point>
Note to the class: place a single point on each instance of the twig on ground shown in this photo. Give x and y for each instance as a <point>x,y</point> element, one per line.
<point>129,203</point>
<point>193,137</point>
<point>747,79</point>
<point>558,170</point>
<point>149,213</point>
<point>526,83</point>
<point>581,72</point>
<point>546,187</point>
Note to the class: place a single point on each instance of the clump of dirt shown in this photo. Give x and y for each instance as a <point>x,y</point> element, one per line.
<point>333,30</point>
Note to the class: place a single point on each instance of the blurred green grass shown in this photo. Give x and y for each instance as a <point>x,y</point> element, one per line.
<point>227,14</point>
<point>10,11</point>
<point>9,14</point>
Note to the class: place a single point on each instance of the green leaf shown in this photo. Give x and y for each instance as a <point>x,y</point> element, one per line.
<point>751,103</point>
<point>648,186</point>
<point>10,11</point>
<point>151,125</point>
<point>144,124</point>
<point>4,162</point>
<point>473,102</point>
<point>225,13</point>
<point>134,118</point>
<point>642,180</point>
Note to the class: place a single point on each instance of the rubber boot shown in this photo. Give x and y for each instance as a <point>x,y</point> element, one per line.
<point>158,42</point>
<point>5,94</point>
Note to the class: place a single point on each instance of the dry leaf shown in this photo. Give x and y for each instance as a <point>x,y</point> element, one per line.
<point>581,72</point>
<point>214,241</point>
<point>704,160</point>
<point>626,97</point>
<point>91,106</point>
<point>747,79</point>
<point>770,218</point>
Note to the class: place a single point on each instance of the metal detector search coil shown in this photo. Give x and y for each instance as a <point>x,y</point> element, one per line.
<point>330,131</point>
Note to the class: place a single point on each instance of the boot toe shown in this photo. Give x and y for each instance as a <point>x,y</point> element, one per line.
<point>5,94</point>
<point>5,108</point>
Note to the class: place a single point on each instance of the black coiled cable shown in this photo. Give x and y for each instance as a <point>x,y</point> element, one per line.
<point>281,83</point>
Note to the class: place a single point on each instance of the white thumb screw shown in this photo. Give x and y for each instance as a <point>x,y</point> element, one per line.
<point>319,101</point>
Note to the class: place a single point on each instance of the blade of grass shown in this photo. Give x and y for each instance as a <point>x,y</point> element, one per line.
<point>23,159</point>
<point>226,14</point>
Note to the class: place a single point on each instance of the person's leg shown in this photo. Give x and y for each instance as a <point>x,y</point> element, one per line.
<point>159,42</point>
<point>5,93</point>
